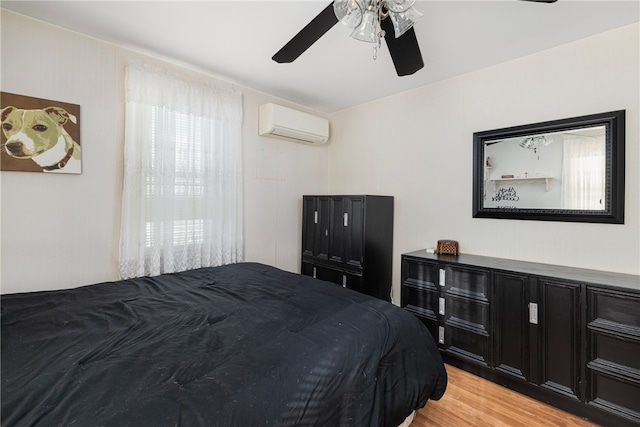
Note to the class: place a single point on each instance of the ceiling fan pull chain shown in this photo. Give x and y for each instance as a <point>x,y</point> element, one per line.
<point>379,36</point>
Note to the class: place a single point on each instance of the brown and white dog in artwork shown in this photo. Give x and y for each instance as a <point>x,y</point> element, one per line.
<point>39,135</point>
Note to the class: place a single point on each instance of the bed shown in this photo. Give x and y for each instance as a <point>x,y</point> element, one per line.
<point>237,345</point>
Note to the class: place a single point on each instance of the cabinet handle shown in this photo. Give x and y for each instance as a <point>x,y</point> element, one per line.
<point>314,272</point>
<point>441,334</point>
<point>345,219</point>
<point>315,217</point>
<point>533,313</point>
<point>344,281</point>
<point>442,277</point>
<point>441,305</point>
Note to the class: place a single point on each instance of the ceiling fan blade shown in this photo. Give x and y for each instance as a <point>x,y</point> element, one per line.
<point>404,50</point>
<point>542,1</point>
<point>307,36</point>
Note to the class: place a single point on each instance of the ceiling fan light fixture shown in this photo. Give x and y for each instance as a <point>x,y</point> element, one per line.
<point>403,21</point>
<point>534,142</point>
<point>368,31</point>
<point>365,16</point>
<point>349,12</point>
<point>402,43</point>
<point>399,5</point>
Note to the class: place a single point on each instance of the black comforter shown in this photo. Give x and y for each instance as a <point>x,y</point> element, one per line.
<point>237,345</point>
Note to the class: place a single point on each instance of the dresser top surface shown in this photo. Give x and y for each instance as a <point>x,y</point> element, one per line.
<point>587,276</point>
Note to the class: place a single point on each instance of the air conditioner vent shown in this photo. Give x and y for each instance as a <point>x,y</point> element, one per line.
<point>278,121</point>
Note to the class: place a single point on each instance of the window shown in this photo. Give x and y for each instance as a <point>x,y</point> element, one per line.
<point>188,182</point>
<point>182,195</point>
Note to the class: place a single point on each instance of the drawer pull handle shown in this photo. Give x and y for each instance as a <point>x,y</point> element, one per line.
<point>533,313</point>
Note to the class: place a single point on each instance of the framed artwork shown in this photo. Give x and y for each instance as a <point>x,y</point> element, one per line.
<point>39,135</point>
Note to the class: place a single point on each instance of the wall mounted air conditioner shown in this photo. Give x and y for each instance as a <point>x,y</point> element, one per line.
<point>278,121</point>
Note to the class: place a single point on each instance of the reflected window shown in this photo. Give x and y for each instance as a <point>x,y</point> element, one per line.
<point>583,171</point>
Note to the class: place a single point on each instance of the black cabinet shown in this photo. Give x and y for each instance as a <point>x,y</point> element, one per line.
<point>559,336</point>
<point>315,226</point>
<point>537,323</point>
<point>453,302</point>
<point>613,353</point>
<point>513,342</point>
<point>348,240</point>
<point>420,294</point>
<point>569,337</point>
<point>465,312</point>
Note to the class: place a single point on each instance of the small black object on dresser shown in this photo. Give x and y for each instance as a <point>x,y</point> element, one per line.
<point>567,336</point>
<point>348,240</point>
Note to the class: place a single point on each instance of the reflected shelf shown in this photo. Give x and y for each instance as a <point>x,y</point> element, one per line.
<point>529,180</point>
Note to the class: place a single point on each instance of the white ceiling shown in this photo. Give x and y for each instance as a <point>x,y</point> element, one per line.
<point>234,40</point>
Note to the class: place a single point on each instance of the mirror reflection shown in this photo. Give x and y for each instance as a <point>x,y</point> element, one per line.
<point>561,170</point>
<point>554,170</point>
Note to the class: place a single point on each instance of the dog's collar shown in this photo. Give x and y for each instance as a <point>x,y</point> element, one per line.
<point>62,163</point>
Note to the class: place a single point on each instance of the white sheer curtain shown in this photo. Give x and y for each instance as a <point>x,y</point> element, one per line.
<point>182,193</point>
<point>583,173</point>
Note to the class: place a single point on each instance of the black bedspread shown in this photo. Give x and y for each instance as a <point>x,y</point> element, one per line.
<point>237,345</point>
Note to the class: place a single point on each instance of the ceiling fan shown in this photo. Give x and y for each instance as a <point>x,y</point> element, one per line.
<point>404,49</point>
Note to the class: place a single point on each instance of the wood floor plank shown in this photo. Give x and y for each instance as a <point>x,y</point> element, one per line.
<point>471,401</point>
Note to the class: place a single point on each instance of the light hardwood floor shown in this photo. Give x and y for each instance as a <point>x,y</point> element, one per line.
<point>473,401</point>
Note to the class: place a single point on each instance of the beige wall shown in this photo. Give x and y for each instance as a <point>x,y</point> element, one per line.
<point>417,146</point>
<point>63,230</point>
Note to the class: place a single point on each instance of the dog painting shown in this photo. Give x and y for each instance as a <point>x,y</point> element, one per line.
<point>39,135</point>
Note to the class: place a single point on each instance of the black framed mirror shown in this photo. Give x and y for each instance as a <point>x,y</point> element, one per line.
<point>562,170</point>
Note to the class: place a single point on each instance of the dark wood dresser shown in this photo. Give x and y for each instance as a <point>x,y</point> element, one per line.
<point>567,336</point>
<point>348,240</point>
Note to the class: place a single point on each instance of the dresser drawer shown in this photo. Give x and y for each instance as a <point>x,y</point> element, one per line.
<point>467,314</point>
<point>467,282</point>
<point>612,395</point>
<point>466,344</point>
<point>420,300</point>
<point>622,352</point>
<point>613,306</point>
<point>422,274</point>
